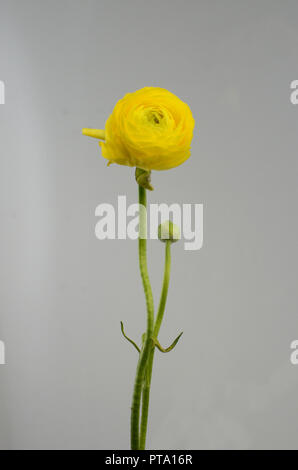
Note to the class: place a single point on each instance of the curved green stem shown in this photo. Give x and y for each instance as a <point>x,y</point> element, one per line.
<point>148,342</point>
<point>128,339</point>
<point>158,321</point>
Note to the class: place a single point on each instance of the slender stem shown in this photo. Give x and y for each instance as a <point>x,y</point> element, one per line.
<point>147,345</point>
<point>158,321</point>
<point>165,288</point>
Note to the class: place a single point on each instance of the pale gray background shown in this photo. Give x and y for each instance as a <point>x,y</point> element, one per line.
<point>68,380</point>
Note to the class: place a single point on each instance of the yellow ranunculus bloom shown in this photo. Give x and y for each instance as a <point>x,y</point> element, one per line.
<point>150,129</point>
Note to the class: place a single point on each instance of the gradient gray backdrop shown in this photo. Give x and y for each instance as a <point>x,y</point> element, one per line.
<point>68,380</point>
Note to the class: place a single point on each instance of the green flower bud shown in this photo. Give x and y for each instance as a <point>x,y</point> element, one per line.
<point>168,231</point>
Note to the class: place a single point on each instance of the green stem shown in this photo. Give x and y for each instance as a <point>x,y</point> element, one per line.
<point>165,288</point>
<point>158,321</point>
<point>147,345</point>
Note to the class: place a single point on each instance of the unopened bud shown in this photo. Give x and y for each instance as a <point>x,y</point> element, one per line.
<point>168,231</point>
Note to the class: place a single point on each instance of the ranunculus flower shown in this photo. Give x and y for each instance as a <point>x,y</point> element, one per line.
<point>150,129</point>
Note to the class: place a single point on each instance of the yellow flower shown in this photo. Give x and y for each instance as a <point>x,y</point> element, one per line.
<point>150,129</point>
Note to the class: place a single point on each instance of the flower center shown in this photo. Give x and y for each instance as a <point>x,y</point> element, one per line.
<point>155,116</point>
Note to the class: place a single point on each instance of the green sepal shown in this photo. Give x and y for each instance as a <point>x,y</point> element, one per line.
<point>143,178</point>
<point>165,350</point>
<point>128,339</point>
